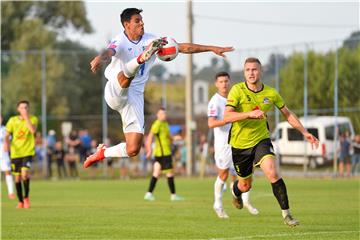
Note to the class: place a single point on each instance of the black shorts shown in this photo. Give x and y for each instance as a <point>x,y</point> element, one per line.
<point>165,162</point>
<point>245,159</point>
<point>18,164</point>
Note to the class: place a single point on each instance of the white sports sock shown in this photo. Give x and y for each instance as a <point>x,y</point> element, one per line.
<point>245,197</point>
<point>285,212</point>
<point>218,193</point>
<point>131,68</point>
<point>116,151</point>
<point>10,183</point>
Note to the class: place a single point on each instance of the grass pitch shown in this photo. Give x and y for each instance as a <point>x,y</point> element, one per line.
<point>114,209</point>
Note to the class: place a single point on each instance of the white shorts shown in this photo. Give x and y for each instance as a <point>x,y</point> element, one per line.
<point>223,158</point>
<point>129,103</point>
<point>5,161</point>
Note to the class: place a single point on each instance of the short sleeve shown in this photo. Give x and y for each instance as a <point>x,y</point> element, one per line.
<point>114,45</point>
<point>279,101</point>
<point>212,109</point>
<point>9,126</point>
<point>155,127</point>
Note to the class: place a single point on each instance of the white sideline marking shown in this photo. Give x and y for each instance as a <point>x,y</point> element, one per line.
<point>284,235</point>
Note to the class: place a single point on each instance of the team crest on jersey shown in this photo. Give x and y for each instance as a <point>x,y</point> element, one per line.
<point>129,49</point>
<point>266,100</point>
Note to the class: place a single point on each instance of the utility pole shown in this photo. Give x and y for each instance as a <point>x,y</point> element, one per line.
<point>189,100</point>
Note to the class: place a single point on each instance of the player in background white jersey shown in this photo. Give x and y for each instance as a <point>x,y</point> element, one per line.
<point>132,55</point>
<point>5,163</point>
<point>223,155</point>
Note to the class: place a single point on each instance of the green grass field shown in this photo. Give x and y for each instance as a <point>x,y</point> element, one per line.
<point>114,209</point>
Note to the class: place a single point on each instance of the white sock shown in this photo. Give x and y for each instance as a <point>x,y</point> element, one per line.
<point>218,187</point>
<point>10,183</point>
<point>131,68</point>
<point>116,151</point>
<point>245,197</point>
<point>285,212</point>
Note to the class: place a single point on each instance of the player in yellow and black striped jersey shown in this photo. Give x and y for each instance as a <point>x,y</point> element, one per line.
<point>22,149</point>
<point>246,108</point>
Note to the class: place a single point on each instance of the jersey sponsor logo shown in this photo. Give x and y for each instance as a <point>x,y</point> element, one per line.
<point>129,49</point>
<point>248,98</point>
<point>266,100</point>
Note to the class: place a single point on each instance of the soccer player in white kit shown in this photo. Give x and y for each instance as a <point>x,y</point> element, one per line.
<point>132,55</point>
<point>5,163</point>
<point>223,154</point>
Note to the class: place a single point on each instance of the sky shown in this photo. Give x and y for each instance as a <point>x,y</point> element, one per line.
<point>254,28</point>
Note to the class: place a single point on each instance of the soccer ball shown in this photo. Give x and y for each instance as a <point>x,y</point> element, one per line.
<point>169,51</point>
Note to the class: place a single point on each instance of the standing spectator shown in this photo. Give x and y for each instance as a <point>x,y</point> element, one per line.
<point>59,155</point>
<point>22,129</point>
<point>50,144</point>
<point>93,169</point>
<point>85,146</point>
<point>163,161</point>
<point>71,157</point>
<point>355,161</point>
<point>5,163</point>
<point>183,159</point>
<point>345,157</point>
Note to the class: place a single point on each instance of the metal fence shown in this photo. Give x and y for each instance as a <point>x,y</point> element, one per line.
<point>59,83</point>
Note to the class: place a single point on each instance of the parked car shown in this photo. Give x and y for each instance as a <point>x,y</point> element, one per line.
<point>291,148</point>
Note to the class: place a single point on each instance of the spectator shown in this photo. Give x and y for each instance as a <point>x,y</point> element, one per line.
<point>59,155</point>
<point>85,146</point>
<point>50,144</point>
<point>355,161</point>
<point>71,157</point>
<point>344,159</point>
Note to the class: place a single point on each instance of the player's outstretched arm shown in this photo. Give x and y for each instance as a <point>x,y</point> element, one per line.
<point>295,123</point>
<point>104,56</point>
<point>189,48</point>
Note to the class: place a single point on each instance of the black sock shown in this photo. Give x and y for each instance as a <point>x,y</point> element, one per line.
<point>171,184</point>
<point>279,190</point>
<point>152,184</point>
<point>26,187</point>
<point>19,191</point>
<point>236,190</point>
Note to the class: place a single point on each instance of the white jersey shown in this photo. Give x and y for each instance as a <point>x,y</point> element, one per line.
<point>4,156</point>
<point>216,109</point>
<point>126,50</point>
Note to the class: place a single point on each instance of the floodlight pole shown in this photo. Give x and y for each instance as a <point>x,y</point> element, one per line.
<point>305,105</point>
<point>43,112</point>
<point>336,110</point>
<point>189,100</point>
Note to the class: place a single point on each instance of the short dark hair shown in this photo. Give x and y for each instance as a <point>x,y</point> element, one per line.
<point>221,74</point>
<point>126,15</point>
<point>22,101</point>
<point>252,60</point>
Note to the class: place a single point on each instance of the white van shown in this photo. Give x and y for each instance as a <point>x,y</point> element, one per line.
<point>291,148</point>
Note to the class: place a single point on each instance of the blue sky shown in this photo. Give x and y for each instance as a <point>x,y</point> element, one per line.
<point>250,26</point>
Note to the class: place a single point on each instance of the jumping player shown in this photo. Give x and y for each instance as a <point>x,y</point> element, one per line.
<point>132,55</point>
